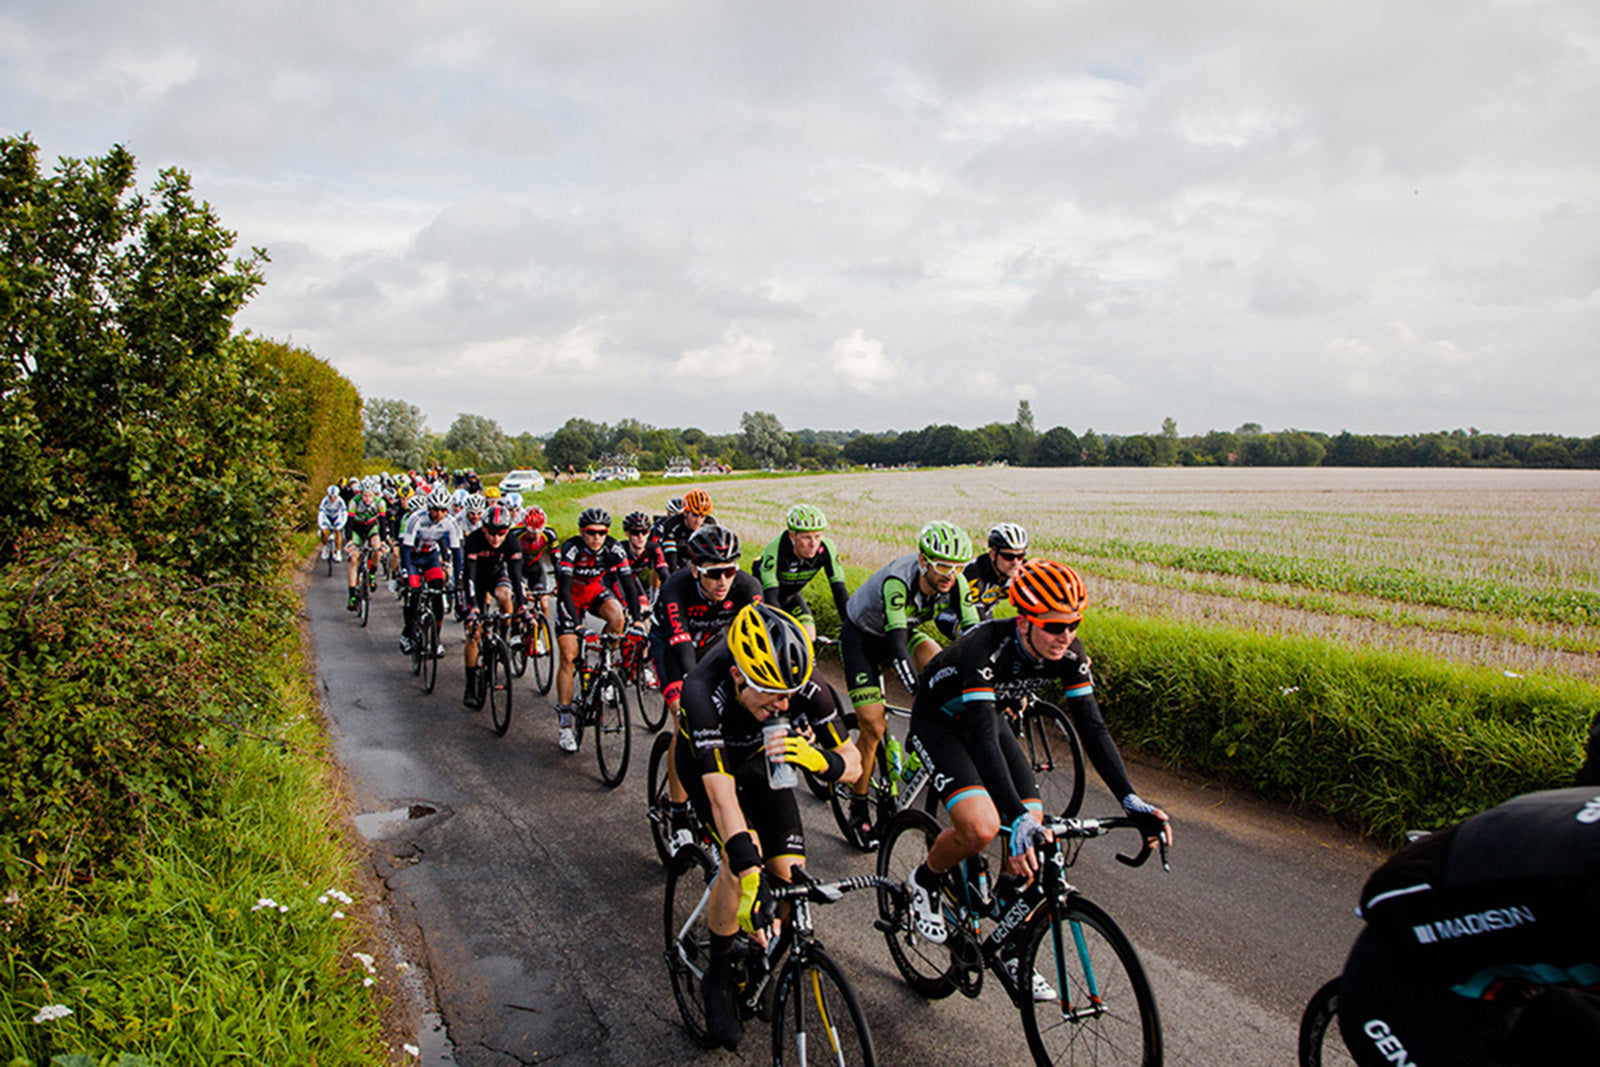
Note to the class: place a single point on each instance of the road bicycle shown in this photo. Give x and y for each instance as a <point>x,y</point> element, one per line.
<point>491,677</point>
<point>366,582</point>
<point>1044,731</point>
<point>425,639</point>
<point>532,642</point>
<point>1320,1042</point>
<point>1103,1010</point>
<point>793,982</point>
<point>602,705</point>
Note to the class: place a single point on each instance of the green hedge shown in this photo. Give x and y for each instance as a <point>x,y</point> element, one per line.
<point>1385,740</point>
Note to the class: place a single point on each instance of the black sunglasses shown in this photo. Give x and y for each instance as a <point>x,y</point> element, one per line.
<point>1013,556</point>
<point>718,572</point>
<point>1056,629</point>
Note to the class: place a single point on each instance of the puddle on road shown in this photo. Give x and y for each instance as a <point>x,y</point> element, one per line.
<point>375,825</point>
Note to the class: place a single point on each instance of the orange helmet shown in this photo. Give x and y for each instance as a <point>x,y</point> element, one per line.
<point>1044,587</point>
<point>697,502</point>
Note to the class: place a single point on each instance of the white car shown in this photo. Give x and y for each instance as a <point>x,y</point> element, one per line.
<point>678,472</point>
<point>628,474</point>
<point>522,481</point>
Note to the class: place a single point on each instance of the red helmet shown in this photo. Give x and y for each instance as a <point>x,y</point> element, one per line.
<point>534,518</point>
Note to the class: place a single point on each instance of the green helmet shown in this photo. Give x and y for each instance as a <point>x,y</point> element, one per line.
<point>805,518</point>
<point>945,542</point>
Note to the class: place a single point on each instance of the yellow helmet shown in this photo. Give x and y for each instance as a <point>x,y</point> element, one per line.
<point>771,648</point>
<point>493,492</point>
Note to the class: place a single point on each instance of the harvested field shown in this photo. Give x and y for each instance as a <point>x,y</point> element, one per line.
<point>1499,568</point>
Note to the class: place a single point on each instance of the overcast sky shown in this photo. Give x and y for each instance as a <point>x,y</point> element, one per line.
<point>1325,215</point>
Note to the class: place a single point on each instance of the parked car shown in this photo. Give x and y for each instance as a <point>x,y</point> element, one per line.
<point>628,474</point>
<point>522,481</point>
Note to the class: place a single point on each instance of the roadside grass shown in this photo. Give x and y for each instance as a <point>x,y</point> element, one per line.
<point>160,940</point>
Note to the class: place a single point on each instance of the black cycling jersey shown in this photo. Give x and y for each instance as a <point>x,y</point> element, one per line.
<point>1475,931</point>
<point>487,566</point>
<point>721,732</point>
<point>684,623</point>
<point>582,575</point>
<point>985,588</point>
<point>671,534</point>
<point>648,560</point>
<point>965,685</point>
<point>785,575</point>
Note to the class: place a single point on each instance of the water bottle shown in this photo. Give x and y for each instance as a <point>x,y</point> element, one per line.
<point>780,772</point>
<point>897,757</point>
<point>912,764</point>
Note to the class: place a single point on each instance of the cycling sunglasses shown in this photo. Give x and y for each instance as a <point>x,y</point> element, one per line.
<point>945,569</point>
<point>587,530</point>
<point>1056,629</point>
<point>717,573</point>
<point>1014,556</point>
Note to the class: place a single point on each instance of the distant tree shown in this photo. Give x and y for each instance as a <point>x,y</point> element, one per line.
<point>569,446</point>
<point>395,430</point>
<point>1548,454</point>
<point>479,441</point>
<point>1059,447</point>
<point>1249,429</point>
<point>1094,449</point>
<point>763,439</point>
<point>1136,451</point>
<point>1024,437</point>
<point>527,452</point>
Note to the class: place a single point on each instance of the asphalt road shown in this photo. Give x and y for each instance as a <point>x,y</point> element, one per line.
<point>532,895</point>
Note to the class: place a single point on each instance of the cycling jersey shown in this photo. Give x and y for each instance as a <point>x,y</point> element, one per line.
<point>961,691</point>
<point>684,623</point>
<point>485,567</point>
<point>879,626</point>
<point>671,533</point>
<point>364,519</point>
<point>582,575</point>
<point>332,514</point>
<point>648,560</point>
<point>423,541</point>
<point>785,575</point>
<point>1468,932</point>
<point>538,555</point>
<point>718,735</point>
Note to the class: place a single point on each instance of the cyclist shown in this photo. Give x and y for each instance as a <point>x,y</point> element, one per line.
<point>761,669</point>
<point>649,566</point>
<point>586,565</point>
<point>363,526</point>
<point>879,629</point>
<point>796,556</point>
<point>331,516</point>
<point>423,543</point>
<point>988,574</point>
<point>493,567</point>
<point>539,546</point>
<point>694,608</point>
<point>1482,943</point>
<point>672,532</point>
<point>978,768</point>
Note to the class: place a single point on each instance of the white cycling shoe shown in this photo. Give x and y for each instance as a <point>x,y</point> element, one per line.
<point>928,919</point>
<point>338,557</point>
<point>567,739</point>
<point>1042,990</point>
<point>680,839</point>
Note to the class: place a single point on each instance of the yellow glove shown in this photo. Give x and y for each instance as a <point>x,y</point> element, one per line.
<point>826,765</point>
<point>755,903</point>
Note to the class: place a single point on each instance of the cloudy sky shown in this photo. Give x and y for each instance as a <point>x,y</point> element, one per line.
<point>1326,215</point>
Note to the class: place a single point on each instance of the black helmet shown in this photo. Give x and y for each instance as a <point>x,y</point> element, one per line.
<point>594,517</point>
<point>498,519</point>
<point>636,522</point>
<point>712,545</point>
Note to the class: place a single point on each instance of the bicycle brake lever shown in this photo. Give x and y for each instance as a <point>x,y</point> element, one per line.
<point>1144,854</point>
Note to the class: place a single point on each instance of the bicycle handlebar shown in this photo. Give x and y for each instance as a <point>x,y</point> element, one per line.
<point>1149,828</point>
<point>831,892</point>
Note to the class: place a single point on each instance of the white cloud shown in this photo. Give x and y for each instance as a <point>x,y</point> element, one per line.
<point>860,362</point>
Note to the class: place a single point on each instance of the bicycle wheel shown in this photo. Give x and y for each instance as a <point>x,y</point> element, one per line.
<point>542,652</point>
<point>428,639</point>
<point>815,1017</point>
<point>519,652</point>
<point>928,969</point>
<point>658,796</point>
<point>1320,1041</point>
<point>613,734</point>
<point>879,800</point>
<point>416,650</point>
<point>688,939</point>
<point>1104,1011</point>
<point>363,603</point>
<point>1052,746</point>
<point>499,678</point>
<point>647,691</point>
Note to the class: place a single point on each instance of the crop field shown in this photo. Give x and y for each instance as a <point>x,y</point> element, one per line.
<point>1495,568</point>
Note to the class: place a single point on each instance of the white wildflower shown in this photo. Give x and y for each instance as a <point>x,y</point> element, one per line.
<point>337,915</point>
<point>1286,690</point>
<point>52,1011</point>
<point>411,1050</point>
<point>1511,674</point>
<point>264,902</point>
<point>364,959</point>
<point>366,981</point>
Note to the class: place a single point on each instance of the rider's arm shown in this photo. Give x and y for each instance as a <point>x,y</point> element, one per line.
<point>766,567</point>
<point>835,569</point>
<point>968,605</point>
<point>895,630</point>
<point>564,588</point>
<point>1096,738</point>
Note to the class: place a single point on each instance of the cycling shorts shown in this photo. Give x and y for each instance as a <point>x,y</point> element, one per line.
<point>325,522</point>
<point>587,598</point>
<point>941,743</point>
<point>357,532</point>
<point>773,815</point>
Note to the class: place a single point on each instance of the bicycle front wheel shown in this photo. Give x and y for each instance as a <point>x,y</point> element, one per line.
<point>519,653</point>
<point>613,736</point>
<point>688,938</point>
<point>1052,747</point>
<point>499,678</point>
<point>647,690</point>
<point>1103,1012</point>
<point>659,795</point>
<point>428,639</point>
<point>928,969</point>
<point>542,651</point>
<point>815,1017</point>
<point>1320,1041</point>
